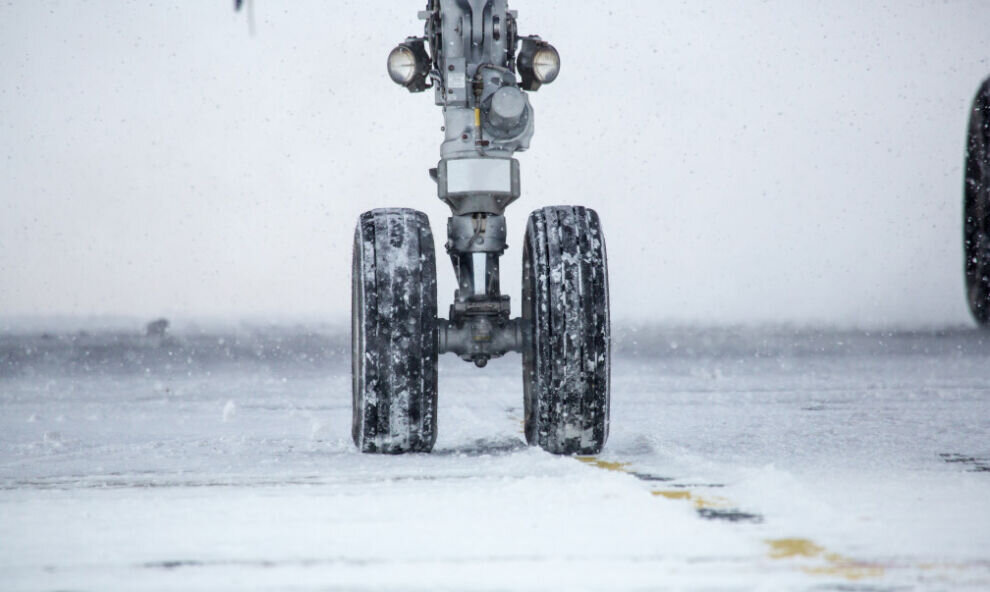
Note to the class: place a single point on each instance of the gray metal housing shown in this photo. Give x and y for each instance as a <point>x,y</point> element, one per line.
<point>487,119</point>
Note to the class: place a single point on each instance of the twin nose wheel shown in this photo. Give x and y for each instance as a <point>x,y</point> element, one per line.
<point>565,316</point>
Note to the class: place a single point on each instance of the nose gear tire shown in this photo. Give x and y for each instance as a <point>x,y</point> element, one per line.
<point>566,352</point>
<point>394,332</point>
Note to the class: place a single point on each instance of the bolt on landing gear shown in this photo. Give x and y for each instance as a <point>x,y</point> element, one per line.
<point>976,205</point>
<point>479,68</point>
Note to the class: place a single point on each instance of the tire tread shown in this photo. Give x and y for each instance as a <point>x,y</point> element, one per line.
<point>395,384</point>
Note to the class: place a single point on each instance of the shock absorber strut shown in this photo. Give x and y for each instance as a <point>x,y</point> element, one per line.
<point>479,75</point>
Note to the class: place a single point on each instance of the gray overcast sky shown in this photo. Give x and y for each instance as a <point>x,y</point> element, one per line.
<point>787,161</point>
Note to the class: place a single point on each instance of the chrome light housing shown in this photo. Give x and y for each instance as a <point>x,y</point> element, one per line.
<point>538,63</point>
<point>409,65</point>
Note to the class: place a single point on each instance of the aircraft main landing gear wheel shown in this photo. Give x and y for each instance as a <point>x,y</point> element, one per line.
<point>393,333</point>
<point>566,351</point>
<point>976,222</point>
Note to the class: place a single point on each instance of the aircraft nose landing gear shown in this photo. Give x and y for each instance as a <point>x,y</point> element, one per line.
<point>563,333</point>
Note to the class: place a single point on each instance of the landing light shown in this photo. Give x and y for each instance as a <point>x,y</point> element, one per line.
<point>409,65</point>
<point>538,62</point>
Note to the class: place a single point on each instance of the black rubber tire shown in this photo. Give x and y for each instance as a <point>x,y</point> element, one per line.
<point>567,345</point>
<point>394,333</point>
<point>976,217</point>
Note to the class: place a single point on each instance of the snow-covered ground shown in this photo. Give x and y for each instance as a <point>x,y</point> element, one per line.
<point>739,459</point>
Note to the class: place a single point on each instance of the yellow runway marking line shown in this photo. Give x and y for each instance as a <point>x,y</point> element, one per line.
<point>674,495</point>
<point>699,502</point>
<point>835,564</point>
<point>619,467</point>
<point>678,494</point>
<point>787,548</point>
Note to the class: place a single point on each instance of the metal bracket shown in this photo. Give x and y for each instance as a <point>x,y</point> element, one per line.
<point>485,185</point>
<point>479,339</point>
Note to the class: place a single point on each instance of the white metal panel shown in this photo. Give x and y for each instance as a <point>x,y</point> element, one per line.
<point>479,174</point>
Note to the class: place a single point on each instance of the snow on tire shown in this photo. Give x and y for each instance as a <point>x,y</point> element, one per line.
<point>393,333</point>
<point>976,223</point>
<point>566,356</point>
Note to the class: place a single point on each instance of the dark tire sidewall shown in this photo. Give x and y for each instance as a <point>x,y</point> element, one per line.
<point>976,216</point>
<point>566,356</point>
<point>394,340</point>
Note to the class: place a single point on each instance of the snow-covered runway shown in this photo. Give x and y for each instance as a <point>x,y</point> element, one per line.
<point>739,459</point>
